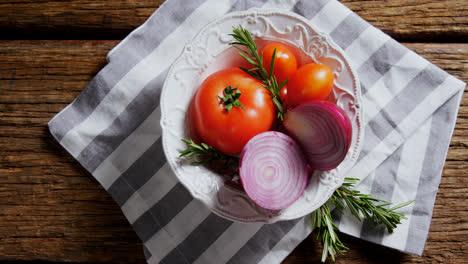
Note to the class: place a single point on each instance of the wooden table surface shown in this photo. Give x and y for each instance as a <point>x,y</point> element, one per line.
<point>52,210</point>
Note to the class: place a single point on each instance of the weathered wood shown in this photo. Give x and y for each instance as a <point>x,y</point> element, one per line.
<point>416,20</point>
<point>77,19</point>
<point>429,20</point>
<point>52,210</point>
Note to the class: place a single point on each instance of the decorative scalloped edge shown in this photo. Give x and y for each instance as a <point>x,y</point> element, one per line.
<point>223,203</point>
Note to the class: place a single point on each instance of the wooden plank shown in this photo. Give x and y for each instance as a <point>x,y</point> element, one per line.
<point>415,20</point>
<point>47,199</point>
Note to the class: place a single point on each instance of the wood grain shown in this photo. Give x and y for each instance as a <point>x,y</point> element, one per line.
<point>52,210</point>
<point>406,20</point>
<point>50,207</point>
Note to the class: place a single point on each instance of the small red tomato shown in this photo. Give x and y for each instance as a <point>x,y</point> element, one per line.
<point>284,95</point>
<point>285,61</point>
<point>226,131</point>
<point>311,82</point>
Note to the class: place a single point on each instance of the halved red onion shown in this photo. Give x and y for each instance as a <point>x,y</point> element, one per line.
<point>323,130</point>
<point>273,170</point>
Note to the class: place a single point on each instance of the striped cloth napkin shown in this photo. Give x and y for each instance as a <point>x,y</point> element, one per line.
<point>112,129</point>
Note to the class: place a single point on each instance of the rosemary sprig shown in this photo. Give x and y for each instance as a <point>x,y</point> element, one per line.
<point>361,206</point>
<point>250,54</point>
<point>364,206</point>
<point>326,233</point>
<point>208,155</point>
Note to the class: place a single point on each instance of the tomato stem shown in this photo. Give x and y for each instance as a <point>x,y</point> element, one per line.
<point>231,98</point>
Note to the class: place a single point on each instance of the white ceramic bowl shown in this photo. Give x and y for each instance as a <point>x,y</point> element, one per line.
<point>209,52</point>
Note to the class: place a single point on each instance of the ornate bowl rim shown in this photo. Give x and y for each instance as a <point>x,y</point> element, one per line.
<point>236,201</point>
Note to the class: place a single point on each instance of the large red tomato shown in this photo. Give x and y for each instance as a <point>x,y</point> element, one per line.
<point>285,61</point>
<point>229,131</point>
<point>311,82</point>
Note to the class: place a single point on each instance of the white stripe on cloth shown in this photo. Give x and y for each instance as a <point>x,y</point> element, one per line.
<point>359,51</point>
<point>406,127</point>
<point>166,239</point>
<point>229,243</point>
<point>150,193</point>
<point>225,246</point>
<point>137,205</point>
<point>300,231</point>
<point>330,16</point>
<point>348,223</point>
<point>377,96</point>
<point>409,171</point>
<point>357,60</point>
<point>131,84</point>
<point>129,150</point>
<point>365,45</point>
<point>374,100</point>
<point>290,241</point>
<point>285,4</point>
<point>215,246</point>
<point>241,237</point>
<point>176,231</point>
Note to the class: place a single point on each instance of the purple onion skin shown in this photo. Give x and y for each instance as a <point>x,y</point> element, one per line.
<point>323,130</point>
<point>283,156</point>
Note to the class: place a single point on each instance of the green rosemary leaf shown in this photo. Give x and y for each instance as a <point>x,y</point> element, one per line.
<point>208,155</point>
<point>401,205</point>
<point>243,38</point>
<point>283,83</point>
<point>361,206</point>
<point>272,64</point>
<point>249,60</point>
<point>253,69</point>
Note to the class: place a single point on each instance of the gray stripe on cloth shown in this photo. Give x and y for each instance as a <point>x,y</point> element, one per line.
<point>146,252</point>
<point>401,105</point>
<point>349,30</point>
<point>122,59</point>
<point>246,4</point>
<point>86,102</point>
<point>138,174</point>
<point>379,63</point>
<point>382,188</point>
<point>371,137</point>
<point>443,123</point>
<point>262,242</point>
<point>162,212</point>
<point>143,40</point>
<point>198,241</point>
<point>381,129</point>
<point>344,34</point>
<point>134,114</point>
<point>309,9</point>
<point>336,216</point>
<point>372,233</point>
